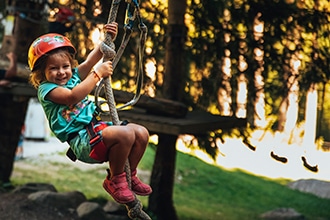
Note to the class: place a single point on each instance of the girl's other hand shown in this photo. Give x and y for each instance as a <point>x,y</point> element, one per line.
<point>104,69</point>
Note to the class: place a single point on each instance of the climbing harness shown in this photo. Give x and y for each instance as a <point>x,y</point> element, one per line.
<point>98,149</point>
<point>107,47</point>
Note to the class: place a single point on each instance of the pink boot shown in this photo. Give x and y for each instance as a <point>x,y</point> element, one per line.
<point>117,187</point>
<point>139,187</point>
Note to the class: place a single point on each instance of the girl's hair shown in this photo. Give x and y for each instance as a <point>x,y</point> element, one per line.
<point>38,74</point>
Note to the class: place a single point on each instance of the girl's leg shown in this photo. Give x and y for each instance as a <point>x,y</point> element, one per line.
<point>138,149</point>
<point>139,146</point>
<point>125,142</point>
<point>119,140</point>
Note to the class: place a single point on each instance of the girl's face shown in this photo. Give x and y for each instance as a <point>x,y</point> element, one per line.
<point>58,69</point>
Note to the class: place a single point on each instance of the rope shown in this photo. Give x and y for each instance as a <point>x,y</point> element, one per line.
<point>143,36</point>
<point>108,49</point>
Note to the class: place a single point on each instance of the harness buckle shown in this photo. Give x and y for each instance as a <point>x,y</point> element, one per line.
<point>95,140</point>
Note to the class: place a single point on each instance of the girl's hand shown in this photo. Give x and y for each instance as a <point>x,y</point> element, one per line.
<point>104,69</point>
<point>112,29</point>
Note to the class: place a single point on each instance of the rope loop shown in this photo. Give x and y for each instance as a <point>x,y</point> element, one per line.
<point>108,50</point>
<point>135,211</point>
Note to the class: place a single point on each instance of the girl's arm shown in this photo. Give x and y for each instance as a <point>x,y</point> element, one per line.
<point>95,55</point>
<point>85,67</point>
<point>65,96</point>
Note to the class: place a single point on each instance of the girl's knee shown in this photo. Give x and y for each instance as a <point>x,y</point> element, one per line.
<point>142,135</point>
<point>143,132</point>
<point>118,135</point>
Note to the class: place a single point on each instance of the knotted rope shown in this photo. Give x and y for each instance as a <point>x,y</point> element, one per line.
<point>108,49</point>
<point>128,31</point>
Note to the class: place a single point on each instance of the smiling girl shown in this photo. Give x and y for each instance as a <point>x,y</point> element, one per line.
<point>63,87</point>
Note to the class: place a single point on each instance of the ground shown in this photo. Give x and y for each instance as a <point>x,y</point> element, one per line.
<point>259,162</point>
<point>16,206</point>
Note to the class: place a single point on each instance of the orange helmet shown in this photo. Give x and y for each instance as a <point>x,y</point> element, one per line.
<point>45,44</point>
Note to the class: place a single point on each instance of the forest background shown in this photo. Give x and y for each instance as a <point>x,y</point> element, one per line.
<point>255,59</point>
<point>267,61</point>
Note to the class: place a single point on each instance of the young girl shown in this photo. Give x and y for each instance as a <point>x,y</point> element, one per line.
<point>62,92</point>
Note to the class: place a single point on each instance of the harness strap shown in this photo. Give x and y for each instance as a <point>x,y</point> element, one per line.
<point>98,151</point>
<point>98,148</point>
<point>92,131</point>
<point>95,138</point>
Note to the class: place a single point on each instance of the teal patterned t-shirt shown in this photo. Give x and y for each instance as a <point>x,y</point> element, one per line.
<point>65,119</point>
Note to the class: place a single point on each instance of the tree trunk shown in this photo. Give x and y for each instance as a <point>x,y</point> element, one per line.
<point>13,108</point>
<point>162,178</point>
<point>12,115</point>
<point>174,59</point>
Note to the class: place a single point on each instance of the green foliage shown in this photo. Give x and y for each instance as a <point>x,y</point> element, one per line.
<point>281,20</point>
<point>201,191</point>
<point>219,29</point>
<point>291,29</point>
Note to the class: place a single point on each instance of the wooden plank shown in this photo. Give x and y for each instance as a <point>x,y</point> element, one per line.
<point>155,106</point>
<point>22,70</point>
<point>19,89</point>
<point>195,122</point>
